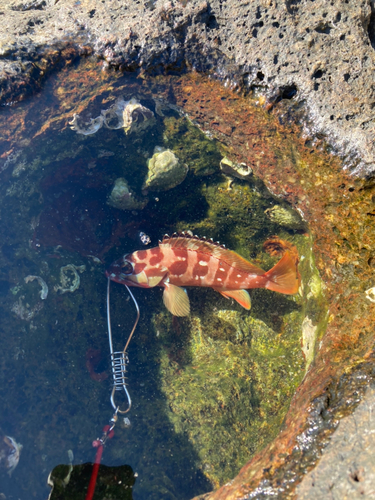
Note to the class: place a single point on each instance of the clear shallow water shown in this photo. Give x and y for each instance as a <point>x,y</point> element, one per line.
<point>207,391</point>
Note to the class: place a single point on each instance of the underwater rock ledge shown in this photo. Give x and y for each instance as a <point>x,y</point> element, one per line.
<point>284,53</point>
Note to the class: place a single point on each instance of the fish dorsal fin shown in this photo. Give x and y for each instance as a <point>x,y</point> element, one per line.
<point>204,246</point>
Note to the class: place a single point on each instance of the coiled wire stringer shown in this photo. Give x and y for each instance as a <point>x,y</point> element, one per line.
<point>119,359</point>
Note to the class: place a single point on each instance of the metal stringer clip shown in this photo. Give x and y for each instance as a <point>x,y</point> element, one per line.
<point>119,359</point>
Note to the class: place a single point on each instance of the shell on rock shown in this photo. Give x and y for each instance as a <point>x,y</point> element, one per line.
<point>239,170</point>
<point>285,217</point>
<point>129,115</point>
<point>164,171</point>
<point>9,453</point>
<point>86,128</point>
<point>123,198</point>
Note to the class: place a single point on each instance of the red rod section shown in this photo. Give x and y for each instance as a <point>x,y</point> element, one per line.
<point>95,469</point>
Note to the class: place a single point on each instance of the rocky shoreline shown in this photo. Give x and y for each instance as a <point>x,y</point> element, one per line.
<point>319,54</point>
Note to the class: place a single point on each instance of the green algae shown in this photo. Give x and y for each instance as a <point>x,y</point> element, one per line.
<point>229,398</point>
<point>191,146</point>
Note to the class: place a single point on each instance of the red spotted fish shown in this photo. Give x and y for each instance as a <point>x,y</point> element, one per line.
<point>182,260</point>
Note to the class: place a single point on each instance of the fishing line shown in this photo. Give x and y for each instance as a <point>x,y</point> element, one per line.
<point>119,360</point>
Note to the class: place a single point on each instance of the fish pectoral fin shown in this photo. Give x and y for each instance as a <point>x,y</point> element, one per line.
<point>176,300</point>
<point>241,296</point>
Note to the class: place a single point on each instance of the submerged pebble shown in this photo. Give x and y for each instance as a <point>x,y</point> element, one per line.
<point>164,171</point>
<point>144,238</point>
<point>370,294</point>
<point>123,198</point>
<point>285,217</point>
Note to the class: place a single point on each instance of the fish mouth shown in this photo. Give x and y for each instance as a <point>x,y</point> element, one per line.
<point>114,274</point>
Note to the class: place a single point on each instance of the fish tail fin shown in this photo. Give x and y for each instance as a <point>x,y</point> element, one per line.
<point>284,276</point>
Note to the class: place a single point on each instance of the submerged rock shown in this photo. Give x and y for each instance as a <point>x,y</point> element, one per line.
<point>123,198</point>
<point>285,217</point>
<point>164,171</point>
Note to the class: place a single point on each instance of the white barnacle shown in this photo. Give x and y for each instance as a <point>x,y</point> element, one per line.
<point>42,283</point>
<point>10,453</point>
<point>86,128</point>
<point>129,115</point>
<point>69,282</point>
<point>203,263</point>
<point>219,279</point>
<point>221,269</point>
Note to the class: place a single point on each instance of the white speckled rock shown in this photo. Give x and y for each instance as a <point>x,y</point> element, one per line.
<point>164,171</point>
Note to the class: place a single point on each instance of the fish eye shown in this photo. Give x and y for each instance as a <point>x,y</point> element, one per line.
<point>126,267</point>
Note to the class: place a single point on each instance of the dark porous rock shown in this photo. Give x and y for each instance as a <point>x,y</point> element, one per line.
<point>316,53</point>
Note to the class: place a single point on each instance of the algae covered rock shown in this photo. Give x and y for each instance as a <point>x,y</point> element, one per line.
<point>285,217</point>
<point>123,198</point>
<point>164,171</point>
<point>228,383</point>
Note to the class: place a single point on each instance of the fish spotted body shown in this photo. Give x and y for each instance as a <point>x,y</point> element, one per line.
<point>182,260</point>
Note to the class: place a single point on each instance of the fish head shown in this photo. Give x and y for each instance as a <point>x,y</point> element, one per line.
<point>123,271</point>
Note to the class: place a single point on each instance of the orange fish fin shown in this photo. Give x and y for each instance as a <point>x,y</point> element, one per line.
<point>241,296</point>
<point>204,246</point>
<point>284,276</point>
<point>176,300</point>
